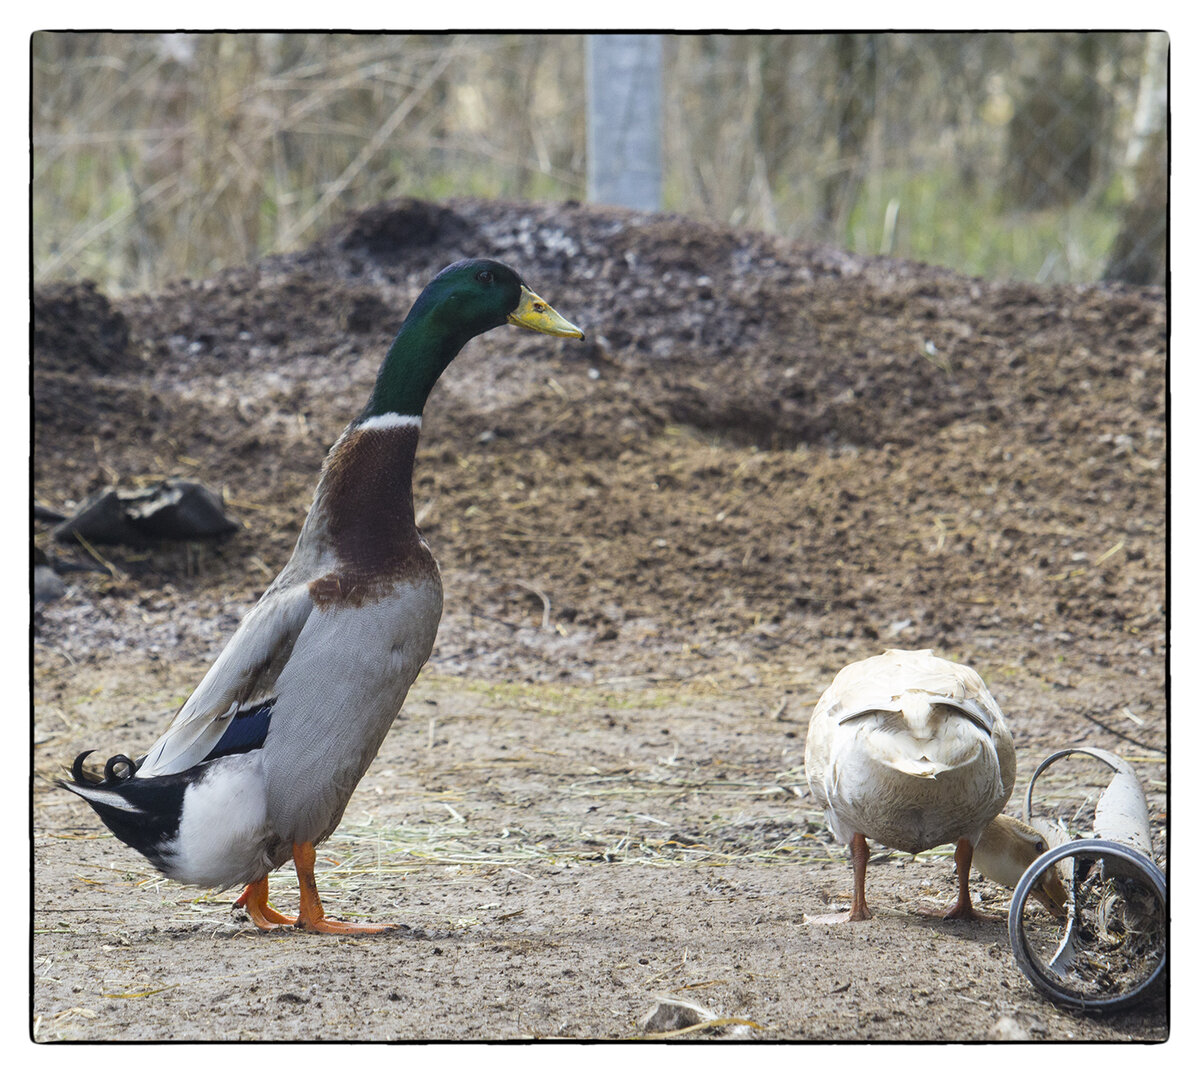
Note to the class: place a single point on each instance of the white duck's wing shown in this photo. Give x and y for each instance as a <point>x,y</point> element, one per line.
<point>898,678</point>
<point>913,685</point>
<point>920,734</point>
<point>972,708</point>
<point>239,682</point>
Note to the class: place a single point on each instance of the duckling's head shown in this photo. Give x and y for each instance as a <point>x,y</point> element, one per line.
<point>1006,849</point>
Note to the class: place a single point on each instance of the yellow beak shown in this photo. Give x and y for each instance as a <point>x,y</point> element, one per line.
<point>537,314</point>
<point>1049,891</point>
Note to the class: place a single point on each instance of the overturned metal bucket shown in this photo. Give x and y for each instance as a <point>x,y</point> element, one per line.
<point>1111,953</point>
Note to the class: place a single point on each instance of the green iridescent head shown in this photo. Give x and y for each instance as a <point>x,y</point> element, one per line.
<point>462,301</point>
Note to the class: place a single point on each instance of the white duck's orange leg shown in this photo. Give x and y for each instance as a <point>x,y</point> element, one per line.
<point>963,910</point>
<point>312,915</point>
<point>254,901</point>
<point>859,855</point>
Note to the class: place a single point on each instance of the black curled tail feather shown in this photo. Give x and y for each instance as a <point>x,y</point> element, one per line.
<point>142,813</point>
<point>111,774</point>
<point>77,773</point>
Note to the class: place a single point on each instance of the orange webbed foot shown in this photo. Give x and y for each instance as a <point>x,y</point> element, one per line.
<point>254,901</point>
<point>312,915</point>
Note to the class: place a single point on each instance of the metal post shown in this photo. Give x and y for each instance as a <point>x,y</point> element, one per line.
<point>624,90</point>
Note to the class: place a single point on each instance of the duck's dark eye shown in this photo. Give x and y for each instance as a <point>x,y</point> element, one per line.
<point>484,275</point>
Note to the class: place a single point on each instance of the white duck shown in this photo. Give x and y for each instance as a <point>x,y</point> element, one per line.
<point>912,751</point>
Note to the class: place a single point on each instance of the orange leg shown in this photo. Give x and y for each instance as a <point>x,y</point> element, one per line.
<point>254,901</point>
<point>859,855</point>
<point>312,916</point>
<point>963,910</point>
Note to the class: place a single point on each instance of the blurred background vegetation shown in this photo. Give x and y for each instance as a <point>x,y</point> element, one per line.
<point>1037,156</point>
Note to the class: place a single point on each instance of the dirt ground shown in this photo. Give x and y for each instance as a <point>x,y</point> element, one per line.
<point>658,546</point>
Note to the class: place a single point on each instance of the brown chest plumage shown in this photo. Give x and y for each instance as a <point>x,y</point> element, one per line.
<point>365,497</point>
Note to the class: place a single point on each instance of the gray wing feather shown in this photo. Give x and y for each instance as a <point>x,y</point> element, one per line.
<point>242,675</point>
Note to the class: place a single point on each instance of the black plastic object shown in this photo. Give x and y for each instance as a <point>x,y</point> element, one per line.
<point>1112,951</point>
<point>172,510</point>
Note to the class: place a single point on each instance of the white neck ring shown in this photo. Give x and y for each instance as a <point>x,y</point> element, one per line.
<point>391,421</point>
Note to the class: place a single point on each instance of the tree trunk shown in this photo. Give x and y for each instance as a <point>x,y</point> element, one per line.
<point>1139,252</point>
<point>853,108</point>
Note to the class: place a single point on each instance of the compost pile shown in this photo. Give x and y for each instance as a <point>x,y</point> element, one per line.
<point>762,447</point>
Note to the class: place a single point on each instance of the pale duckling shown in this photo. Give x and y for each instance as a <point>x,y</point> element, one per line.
<point>1007,848</point>
<point>912,751</point>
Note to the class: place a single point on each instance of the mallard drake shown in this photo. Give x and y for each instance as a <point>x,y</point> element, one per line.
<point>258,764</point>
<point>912,751</point>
